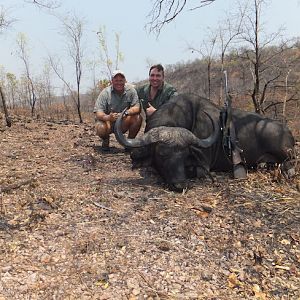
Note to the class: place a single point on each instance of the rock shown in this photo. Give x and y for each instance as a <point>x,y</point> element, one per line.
<point>206,276</point>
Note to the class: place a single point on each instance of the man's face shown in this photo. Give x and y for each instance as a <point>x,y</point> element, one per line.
<point>156,78</point>
<point>118,83</point>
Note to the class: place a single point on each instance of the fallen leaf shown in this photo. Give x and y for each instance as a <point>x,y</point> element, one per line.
<point>258,293</point>
<point>102,283</point>
<point>233,281</point>
<point>202,214</point>
<point>285,242</point>
<point>257,224</point>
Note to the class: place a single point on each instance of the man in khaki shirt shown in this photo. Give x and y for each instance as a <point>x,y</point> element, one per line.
<point>111,102</point>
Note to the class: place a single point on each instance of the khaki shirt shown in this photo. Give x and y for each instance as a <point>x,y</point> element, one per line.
<point>109,101</point>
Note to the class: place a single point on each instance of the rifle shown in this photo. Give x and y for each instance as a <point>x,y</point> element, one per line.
<point>226,118</point>
<point>229,135</point>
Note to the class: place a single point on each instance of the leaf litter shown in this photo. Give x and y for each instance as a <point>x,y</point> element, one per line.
<point>77,223</point>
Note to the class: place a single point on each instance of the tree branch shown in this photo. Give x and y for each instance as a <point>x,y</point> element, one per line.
<point>291,99</point>
<point>165,11</point>
<point>49,4</point>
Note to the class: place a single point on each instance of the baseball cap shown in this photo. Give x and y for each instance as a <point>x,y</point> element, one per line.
<point>117,72</point>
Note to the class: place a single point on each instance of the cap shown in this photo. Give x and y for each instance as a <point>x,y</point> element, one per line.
<point>117,72</point>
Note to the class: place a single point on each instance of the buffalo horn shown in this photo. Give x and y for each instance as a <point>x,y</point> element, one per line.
<point>176,136</point>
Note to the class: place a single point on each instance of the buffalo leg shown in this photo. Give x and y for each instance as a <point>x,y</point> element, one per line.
<point>239,170</point>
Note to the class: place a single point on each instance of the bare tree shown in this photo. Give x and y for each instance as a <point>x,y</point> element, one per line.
<point>44,90</point>
<point>47,84</point>
<point>110,62</point>
<point>207,53</point>
<point>3,100</point>
<point>5,19</point>
<point>5,22</point>
<point>73,31</point>
<point>288,85</point>
<point>228,31</point>
<point>23,53</point>
<point>265,72</point>
<point>165,11</point>
<point>48,4</point>
<point>218,43</point>
<point>12,84</point>
<point>58,69</point>
<point>286,93</point>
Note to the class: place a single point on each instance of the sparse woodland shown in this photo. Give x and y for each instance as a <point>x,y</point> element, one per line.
<point>78,223</point>
<point>279,97</point>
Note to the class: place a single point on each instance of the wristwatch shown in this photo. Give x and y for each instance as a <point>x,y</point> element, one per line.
<point>126,113</point>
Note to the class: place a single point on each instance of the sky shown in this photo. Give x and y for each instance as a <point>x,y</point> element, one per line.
<point>128,19</point>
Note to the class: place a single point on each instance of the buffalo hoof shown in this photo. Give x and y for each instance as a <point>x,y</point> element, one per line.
<point>288,168</point>
<point>239,172</point>
<point>291,172</point>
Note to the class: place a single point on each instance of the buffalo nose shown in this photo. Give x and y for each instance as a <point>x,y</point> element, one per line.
<point>178,187</point>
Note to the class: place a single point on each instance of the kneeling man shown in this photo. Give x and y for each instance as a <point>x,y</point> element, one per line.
<point>111,102</point>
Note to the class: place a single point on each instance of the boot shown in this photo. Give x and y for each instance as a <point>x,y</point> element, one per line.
<point>105,144</point>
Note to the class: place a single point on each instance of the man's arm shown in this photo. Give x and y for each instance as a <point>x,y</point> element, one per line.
<point>134,110</point>
<point>101,116</point>
<point>100,107</point>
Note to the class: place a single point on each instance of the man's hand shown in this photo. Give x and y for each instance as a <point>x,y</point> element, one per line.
<point>113,116</point>
<point>150,110</point>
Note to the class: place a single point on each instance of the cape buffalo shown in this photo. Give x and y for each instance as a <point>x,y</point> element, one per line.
<point>184,139</point>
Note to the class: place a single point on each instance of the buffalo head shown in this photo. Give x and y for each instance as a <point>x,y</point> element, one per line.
<point>168,149</point>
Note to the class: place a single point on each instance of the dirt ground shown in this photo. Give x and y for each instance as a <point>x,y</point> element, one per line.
<point>76,223</point>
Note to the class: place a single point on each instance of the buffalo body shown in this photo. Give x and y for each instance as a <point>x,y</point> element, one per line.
<point>176,158</point>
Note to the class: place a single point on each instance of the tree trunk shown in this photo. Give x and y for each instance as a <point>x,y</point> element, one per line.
<point>79,106</point>
<point>7,118</point>
<point>286,94</point>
